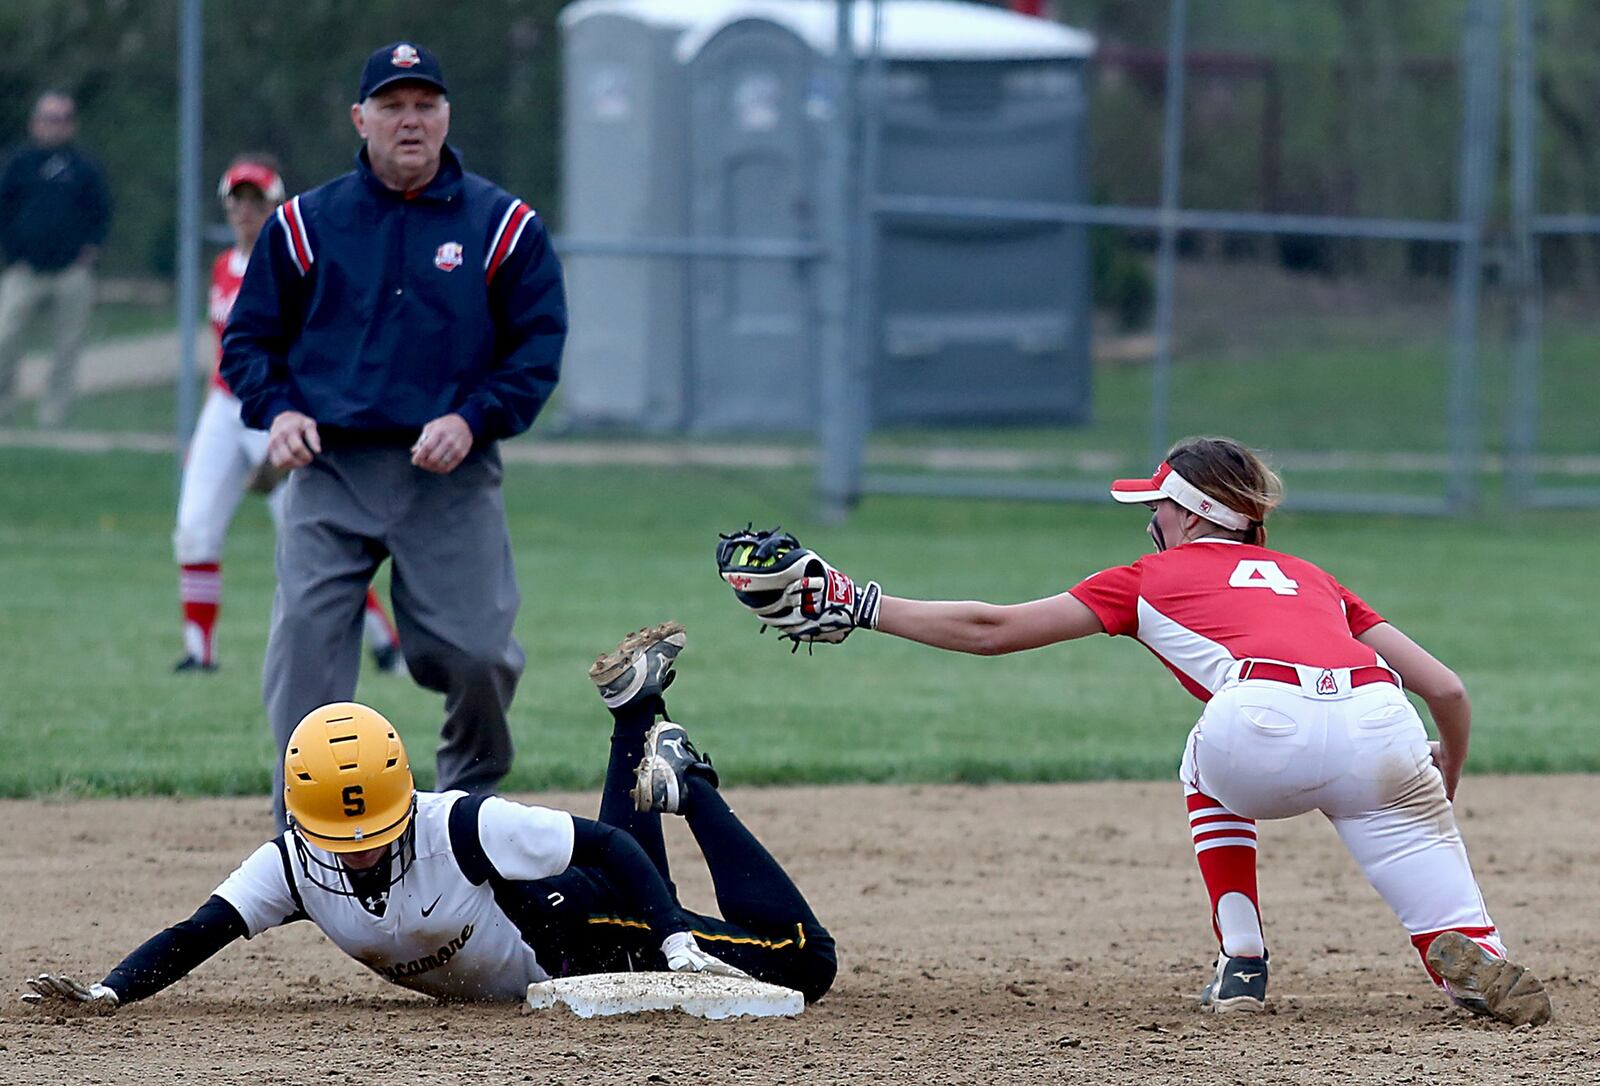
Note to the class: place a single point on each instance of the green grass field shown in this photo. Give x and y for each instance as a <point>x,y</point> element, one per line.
<point>88,621</point>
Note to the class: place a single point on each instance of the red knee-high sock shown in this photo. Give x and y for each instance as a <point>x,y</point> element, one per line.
<point>1225,846</point>
<point>200,592</point>
<point>381,633</point>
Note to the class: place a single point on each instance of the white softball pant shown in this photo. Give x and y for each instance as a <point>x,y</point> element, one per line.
<point>222,456</point>
<point>1267,749</point>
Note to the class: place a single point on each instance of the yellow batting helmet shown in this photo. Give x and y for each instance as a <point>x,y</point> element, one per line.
<point>346,779</point>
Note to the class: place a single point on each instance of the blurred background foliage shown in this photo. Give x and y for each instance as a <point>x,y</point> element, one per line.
<point>278,77</point>
<point>1317,106</point>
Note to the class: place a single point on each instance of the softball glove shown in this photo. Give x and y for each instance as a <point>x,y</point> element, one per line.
<point>794,589</point>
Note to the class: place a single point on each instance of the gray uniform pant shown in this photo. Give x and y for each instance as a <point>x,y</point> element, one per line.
<point>453,587</point>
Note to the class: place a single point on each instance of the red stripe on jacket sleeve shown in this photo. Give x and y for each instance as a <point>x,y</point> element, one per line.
<point>298,241</point>
<point>510,231</point>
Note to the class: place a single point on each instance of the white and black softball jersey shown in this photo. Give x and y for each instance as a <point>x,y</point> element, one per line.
<point>435,931</point>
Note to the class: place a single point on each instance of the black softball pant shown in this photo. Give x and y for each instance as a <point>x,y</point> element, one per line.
<point>577,925</point>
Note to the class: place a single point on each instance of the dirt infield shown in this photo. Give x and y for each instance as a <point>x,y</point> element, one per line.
<point>987,935</point>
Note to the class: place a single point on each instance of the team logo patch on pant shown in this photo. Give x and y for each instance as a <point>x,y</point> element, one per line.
<point>1326,683</point>
<point>448,257</point>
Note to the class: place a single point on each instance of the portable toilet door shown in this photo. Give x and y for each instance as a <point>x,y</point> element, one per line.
<point>753,175</point>
<point>624,175</point>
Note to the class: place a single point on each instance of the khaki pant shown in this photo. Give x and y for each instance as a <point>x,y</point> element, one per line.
<point>70,293</point>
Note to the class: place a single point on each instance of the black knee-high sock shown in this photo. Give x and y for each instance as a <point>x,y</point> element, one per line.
<point>631,722</point>
<point>753,889</point>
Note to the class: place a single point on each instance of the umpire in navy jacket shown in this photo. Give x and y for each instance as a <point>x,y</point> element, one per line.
<point>393,325</point>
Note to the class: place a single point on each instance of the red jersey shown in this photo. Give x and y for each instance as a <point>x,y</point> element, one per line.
<point>1203,605</point>
<point>227,272</point>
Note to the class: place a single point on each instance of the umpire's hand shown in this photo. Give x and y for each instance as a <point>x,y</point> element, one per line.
<point>444,443</point>
<point>293,440</point>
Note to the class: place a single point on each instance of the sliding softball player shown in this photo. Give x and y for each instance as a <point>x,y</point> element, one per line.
<point>474,897</point>
<point>226,457</point>
<point>1303,685</point>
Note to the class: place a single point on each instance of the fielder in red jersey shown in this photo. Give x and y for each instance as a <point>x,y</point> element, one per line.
<point>1303,685</point>
<point>225,457</point>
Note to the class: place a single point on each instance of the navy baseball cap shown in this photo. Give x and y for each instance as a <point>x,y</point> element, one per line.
<point>400,62</point>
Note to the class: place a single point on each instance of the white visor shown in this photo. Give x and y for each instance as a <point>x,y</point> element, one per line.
<point>1167,483</point>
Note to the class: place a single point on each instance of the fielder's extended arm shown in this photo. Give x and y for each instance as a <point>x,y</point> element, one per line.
<point>806,599</point>
<point>988,629</point>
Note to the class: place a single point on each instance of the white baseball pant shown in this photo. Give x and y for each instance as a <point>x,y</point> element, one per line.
<point>222,456</point>
<point>1267,749</point>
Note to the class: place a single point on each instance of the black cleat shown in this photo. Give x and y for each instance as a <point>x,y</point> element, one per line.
<point>1240,985</point>
<point>192,663</point>
<point>388,660</point>
<point>661,781</point>
<point>640,666</point>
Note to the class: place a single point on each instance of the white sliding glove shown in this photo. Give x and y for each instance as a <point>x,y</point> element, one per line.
<point>57,993</point>
<point>685,956</point>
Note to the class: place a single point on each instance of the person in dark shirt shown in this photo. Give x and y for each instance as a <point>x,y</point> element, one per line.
<point>54,211</point>
<point>393,325</point>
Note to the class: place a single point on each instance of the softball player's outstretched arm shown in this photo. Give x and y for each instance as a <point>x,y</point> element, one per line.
<point>803,596</point>
<point>164,958</point>
<point>988,629</point>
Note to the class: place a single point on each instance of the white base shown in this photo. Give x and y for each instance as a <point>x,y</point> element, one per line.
<point>700,994</point>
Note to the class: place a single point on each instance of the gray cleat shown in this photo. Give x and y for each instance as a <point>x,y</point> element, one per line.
<point>660,783</point>
<point>1484,984</point>
<point>1240,985</point>
<point>640,666</point>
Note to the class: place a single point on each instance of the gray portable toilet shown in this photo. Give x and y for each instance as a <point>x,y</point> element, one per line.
<point>624,174</point>
<point>984,321</point>
<point>754,157</point>
<point>980,322</point>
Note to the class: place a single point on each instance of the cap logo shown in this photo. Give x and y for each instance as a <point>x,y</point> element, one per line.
<point>448,256</point>
<point>1205,505</point>
<point>404,56</point>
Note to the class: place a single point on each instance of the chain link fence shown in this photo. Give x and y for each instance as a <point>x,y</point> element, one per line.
<point>1550,435</point>
<point>1333,318</point>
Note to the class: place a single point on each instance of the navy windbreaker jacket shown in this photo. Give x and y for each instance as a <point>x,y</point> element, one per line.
<point>376,312</point>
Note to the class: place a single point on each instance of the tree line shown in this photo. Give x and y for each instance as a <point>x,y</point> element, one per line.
<point>1320,106</point>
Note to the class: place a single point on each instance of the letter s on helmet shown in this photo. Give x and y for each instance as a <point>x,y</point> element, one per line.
<point>346,779</point>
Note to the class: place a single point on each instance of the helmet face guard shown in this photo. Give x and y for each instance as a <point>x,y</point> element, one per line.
<point>347,787</point>
<point>334,877</point>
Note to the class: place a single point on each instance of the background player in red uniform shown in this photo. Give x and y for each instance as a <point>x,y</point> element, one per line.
<point>226,457</point>
<point>1304,706</point>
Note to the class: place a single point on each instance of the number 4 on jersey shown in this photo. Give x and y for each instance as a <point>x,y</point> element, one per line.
<point>1258,573</point>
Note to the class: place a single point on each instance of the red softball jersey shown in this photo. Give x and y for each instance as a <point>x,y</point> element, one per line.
<point>227,272</point>
<point>1207,603</point>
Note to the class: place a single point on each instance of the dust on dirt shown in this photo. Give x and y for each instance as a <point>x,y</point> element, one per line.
<point>1015,934</point>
